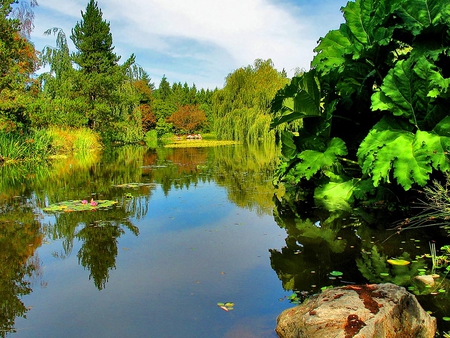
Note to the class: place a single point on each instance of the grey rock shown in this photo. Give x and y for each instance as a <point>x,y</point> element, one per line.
<point>360,311</point>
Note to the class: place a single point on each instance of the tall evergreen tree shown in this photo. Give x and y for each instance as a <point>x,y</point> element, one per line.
<point>164,89</point>
<point>100,74</point>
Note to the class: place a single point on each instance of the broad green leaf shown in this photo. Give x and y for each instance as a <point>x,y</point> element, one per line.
<point>443,127</point>
<point>331,51</point>
<point>312,161</point>
<point>409,157</point>
<point>355,21</point>
<point>300,99</point>
<point>335,196</point>
<point>288,147</point>
<point>420,14</point>
<point>397,91</point>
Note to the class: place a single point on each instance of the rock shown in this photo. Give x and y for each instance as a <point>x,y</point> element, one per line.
<point>363,311</point>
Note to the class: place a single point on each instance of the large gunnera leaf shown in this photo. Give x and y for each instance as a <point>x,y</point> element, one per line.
<point>409,157</point>
<point>312,161</point>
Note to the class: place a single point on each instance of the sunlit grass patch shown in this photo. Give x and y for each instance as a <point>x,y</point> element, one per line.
<point>74,139</point>
<point>199,143</point>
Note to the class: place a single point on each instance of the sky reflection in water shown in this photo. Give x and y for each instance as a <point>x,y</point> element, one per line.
<point>195,248</point>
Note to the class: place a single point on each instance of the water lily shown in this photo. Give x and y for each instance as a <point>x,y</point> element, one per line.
<point>93,203</point>
<point>83,202</point>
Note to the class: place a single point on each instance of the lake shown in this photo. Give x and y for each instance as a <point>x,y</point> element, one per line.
<point>192,228</point>
<point>192,242</point>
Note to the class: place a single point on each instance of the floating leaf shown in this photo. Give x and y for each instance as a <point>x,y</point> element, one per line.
<point>228,306</point>
<point>447,319</point>
<point>398,262</point>
<point>133,185</point>
<point>336,273</point>
<point>78,205</point>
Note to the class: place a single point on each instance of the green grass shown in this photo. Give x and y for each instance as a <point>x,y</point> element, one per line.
<point>40,145</point>
<point>16,147</point>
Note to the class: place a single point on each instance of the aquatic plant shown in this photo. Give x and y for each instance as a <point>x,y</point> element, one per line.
<point>79,205</point>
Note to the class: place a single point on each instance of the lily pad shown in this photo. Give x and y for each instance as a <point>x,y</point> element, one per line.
<point>336,273</point>
<point>133,185</point>
<point>398,262</point>
<point>78,205</point>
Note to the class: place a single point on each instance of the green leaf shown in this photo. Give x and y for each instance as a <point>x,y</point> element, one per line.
<point>331,51</point>
<point>420,14</point>
<point>336,273</point>
<point>288,148</point>
<point>78,205</point>
<point>409,157</point>
<point>397,92</point>
<point>300,99</point>
<point>312,161</point>
<point>335,196</point>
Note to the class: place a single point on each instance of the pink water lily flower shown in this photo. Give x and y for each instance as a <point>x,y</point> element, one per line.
<point>83,202</point>
<point>93,203</point>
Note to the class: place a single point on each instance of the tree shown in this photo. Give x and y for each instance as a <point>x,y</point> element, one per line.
<point>241,108</point>
<point>18,62</point>
<point>24,13</point>
<point>373,108</point>
<point>164,89</point>
<point>99,73</point>
<point>188,119</point>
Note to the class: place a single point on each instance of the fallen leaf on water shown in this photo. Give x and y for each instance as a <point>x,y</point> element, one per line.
<point>228,306</point>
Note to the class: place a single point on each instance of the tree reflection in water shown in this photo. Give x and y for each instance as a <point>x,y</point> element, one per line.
<point>245,174</point>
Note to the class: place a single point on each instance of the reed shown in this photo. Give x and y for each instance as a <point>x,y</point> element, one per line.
<point>18,147</point>
<point>74,140</point>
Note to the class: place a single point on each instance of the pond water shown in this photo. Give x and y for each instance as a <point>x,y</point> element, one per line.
<point>190,228</point>
<point>194,232</point>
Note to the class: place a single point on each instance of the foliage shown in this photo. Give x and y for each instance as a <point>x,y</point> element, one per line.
<point>379,89</point>
<point>241,108</point>
<point>18,147</point>
<point>73,140</point>
<point>99,76</point>
<point>434,207</point>
<point>79,205</point>
<point>18,61</point>
<point>188,119</point>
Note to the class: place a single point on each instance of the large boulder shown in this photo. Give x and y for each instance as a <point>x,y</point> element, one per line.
<point>369,311</point>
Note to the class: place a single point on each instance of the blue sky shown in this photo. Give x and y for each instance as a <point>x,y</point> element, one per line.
<point>202,41</point>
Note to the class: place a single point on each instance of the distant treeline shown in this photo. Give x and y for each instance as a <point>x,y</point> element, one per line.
<point>89,88</point>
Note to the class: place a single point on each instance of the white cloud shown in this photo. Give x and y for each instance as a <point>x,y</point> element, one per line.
<point>202,41</point>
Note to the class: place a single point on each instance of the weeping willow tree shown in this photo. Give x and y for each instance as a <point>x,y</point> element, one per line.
<point>241,108</point>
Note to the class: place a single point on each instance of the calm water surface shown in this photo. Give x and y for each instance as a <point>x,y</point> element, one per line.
<point>197,232</point>
<point>191,228</point>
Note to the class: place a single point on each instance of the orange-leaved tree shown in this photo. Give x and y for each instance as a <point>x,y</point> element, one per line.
<point>188,119</point>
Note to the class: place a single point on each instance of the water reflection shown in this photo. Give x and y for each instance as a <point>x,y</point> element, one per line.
<point>128,175</point>
<point>322,250</point>
<point>20,235</point>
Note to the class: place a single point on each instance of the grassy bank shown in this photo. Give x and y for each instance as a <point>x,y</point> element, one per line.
<point>40,145</point>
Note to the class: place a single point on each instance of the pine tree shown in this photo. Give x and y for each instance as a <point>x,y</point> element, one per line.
<point>93,40</point>
<point>99,74</point>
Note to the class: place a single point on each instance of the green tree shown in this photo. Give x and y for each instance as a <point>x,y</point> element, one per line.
<point>164,89</point>
<point>242,107</point>
<point>99,73</point>
<point>374,106</point>
<point>18,61</point>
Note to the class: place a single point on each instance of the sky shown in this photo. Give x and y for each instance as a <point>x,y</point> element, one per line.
<point>201,42</point>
